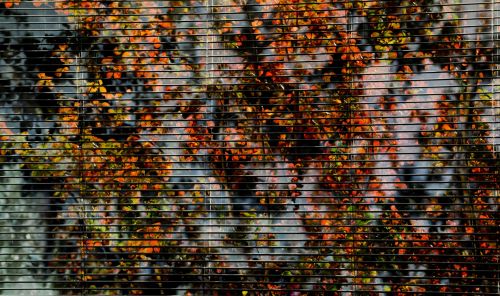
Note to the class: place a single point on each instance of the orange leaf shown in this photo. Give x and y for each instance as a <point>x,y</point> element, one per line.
<point>325,222</point>
<point>147,250</point>
<point>257,23</point>
<point>447,127</point>
<point>120,180</point>
<point>165,25</point>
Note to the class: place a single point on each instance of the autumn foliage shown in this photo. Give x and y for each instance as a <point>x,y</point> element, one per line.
<point>317,118</point>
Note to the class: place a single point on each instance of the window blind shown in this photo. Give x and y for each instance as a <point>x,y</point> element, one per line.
<point>249,147</point>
